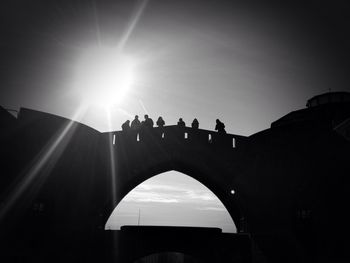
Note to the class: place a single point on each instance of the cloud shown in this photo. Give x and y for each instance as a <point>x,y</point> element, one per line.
<point>173,200</point>
<point>157,193</point>
<point>200,195</point>
<point>173,190</point>
<point>211,208</point>
<point>163,193</point>
<point>158,200</point>
<point>148,196</point>
<point>160,187</point>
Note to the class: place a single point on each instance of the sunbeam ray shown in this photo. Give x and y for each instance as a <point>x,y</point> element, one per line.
<point>49,154</point>
<point>112,159</point>
<point>97,23</point>
<point>143,106</point>
<point>126,113</point>
<point>133,22</point>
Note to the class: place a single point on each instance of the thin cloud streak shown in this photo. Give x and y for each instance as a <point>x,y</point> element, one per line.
<point>161,193</point>
<point>210,208</point>
<point>200,195</point>
<point>158,200</point>
<point>140,196</point>
<point>162,187</point>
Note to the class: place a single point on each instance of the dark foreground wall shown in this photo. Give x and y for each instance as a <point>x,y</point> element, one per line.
<point>204,244</point>
<point>60,180</point>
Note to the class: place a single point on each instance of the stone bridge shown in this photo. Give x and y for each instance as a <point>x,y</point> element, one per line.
<point>60,180</point>
<point>129,158</point>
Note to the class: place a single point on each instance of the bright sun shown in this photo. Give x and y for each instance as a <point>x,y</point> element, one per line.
<point>104,76</point>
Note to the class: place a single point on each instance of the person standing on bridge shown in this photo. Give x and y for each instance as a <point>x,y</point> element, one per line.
<point>126,126</point>
<point>160,122</point>
<point>195,124</point>
<point>181,123</point>
<point>146,128</point>
<point>135,124</point>
<point>148,122</point>
<point>220,127</point>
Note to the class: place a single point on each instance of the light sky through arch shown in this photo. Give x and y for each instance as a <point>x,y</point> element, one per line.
<point>171,199</point>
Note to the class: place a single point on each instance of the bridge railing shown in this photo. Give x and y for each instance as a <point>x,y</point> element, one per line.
<point>176,134</point>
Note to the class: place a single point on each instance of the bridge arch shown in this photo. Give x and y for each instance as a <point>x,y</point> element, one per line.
<point>173,199</point>
<point>211,177</point>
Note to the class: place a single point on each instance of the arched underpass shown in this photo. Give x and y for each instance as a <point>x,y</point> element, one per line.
<point>127,162</point>
<point>124,168</point>
<point>176,214</point>
<point>171,199</point>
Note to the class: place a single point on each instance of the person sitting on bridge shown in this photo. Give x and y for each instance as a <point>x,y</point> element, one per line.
<point>220,127</point>
<point>148,122</point>
<point>195,124</point>
<point>181,123</point>
<point>126,126</point>
<point>160,122</point>
<point>135,124</point>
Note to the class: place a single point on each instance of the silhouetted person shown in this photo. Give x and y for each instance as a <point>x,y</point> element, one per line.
<point>135,124</point>
<point>220,127</point>
<point>181,123</point>
<point>148,122</point>
<point>195,124</point>
<point>126,126</point>
<point>160,122</point>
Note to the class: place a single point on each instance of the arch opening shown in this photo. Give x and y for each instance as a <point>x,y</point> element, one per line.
<point>171,199</point>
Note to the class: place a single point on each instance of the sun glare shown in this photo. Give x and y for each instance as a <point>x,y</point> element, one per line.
<point>104,77</point>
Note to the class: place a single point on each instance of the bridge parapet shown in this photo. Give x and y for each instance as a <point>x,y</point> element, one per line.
<point>178,135</point>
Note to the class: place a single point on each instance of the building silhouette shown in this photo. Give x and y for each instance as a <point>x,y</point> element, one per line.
<point>60,180</point>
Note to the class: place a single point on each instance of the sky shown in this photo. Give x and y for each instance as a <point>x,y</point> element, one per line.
<point>173,199</point>
<point>247,63</point>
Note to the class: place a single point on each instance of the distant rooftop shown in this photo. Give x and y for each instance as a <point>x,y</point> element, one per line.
<point>327,98</point>
<point>330,107</point>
